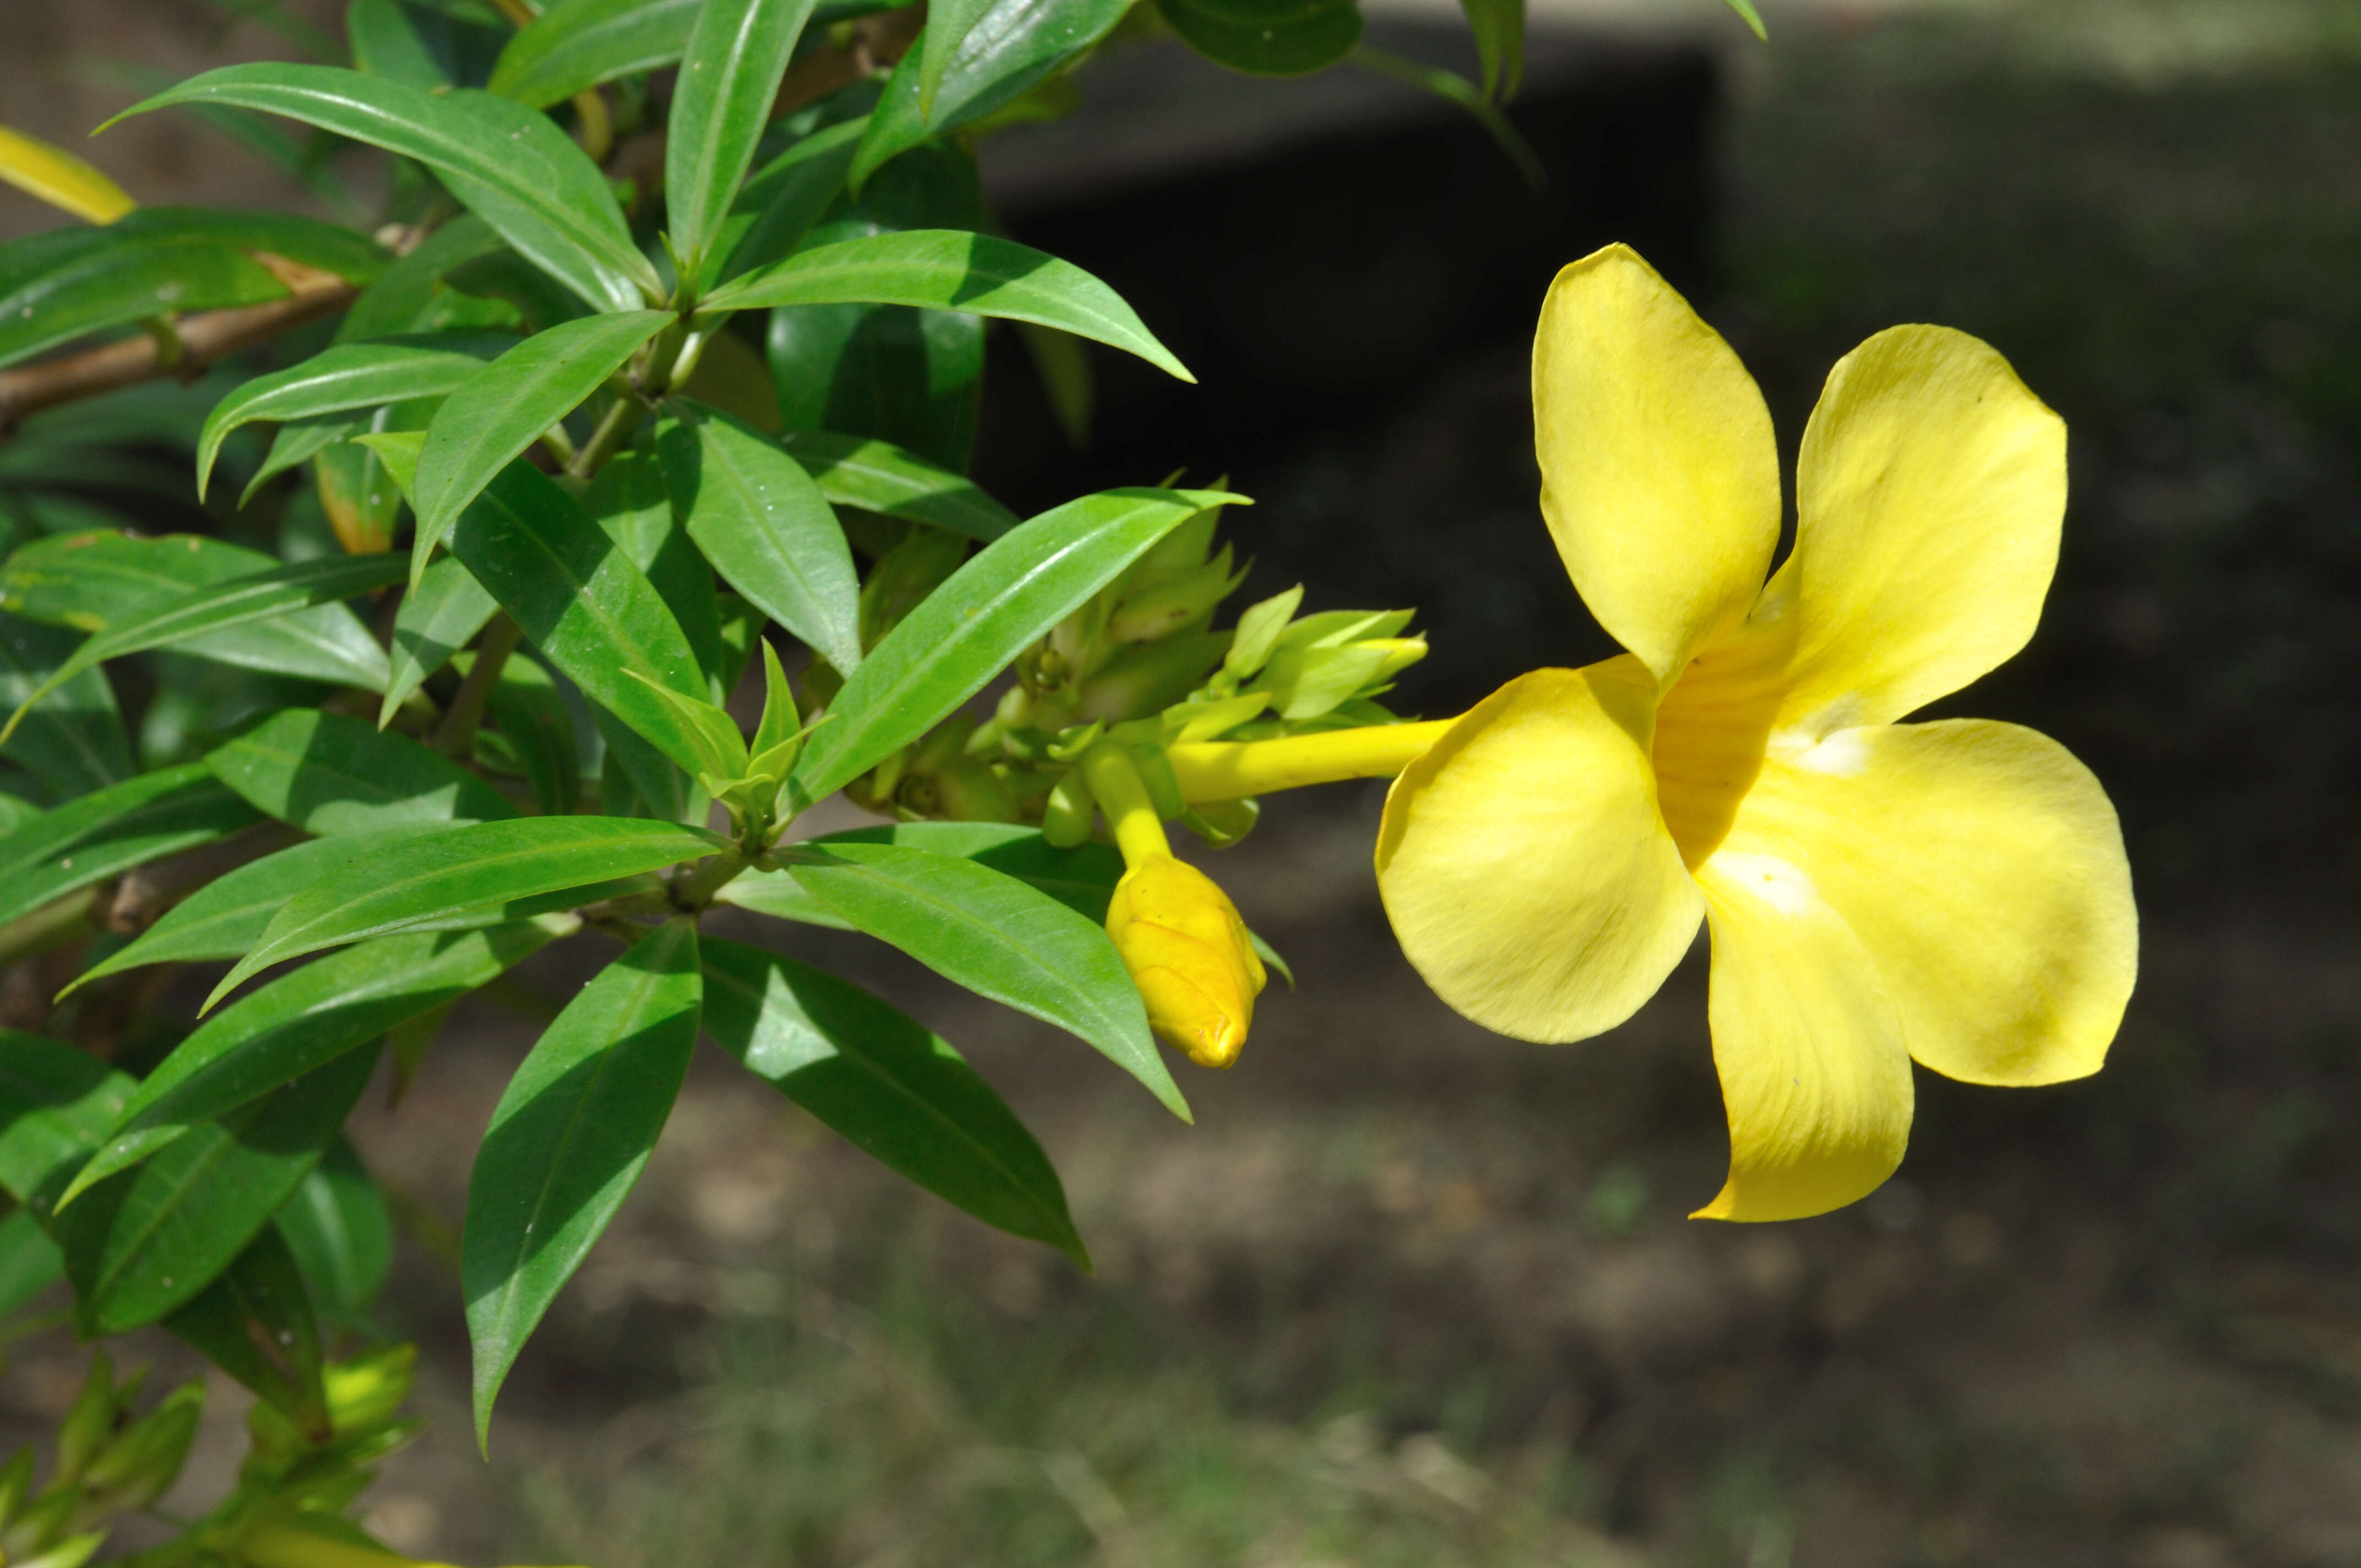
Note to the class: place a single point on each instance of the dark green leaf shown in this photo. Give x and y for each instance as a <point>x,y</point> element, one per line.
<point>886,1083</point>
<point>325,772</point>
<point>439,616</point>
<point>569,1138</point>
<point>1004,49</point>
<point>1499,27</point>
<point>966,631</point>
<point>782,200</point>
<point>345,376</point>
<point>29,1261</point>
<point>631,502</point>
<point>997,937</point>
<point>1454,88</point>
<point>876,476</point>
<point>67,282</point>
<point>511,165</point>
<point>528,711</point>
<point>386,42</point>
<point>436,876</point>
<point>504,407</point>
<point>101,582</point>
<point>74,741</point>
<point>409,296</point>
<point>578,44</point>
<point>299,1023</point>
<point>266,595</point>
<point>1082,878</point>
<point>254,1322</point>
<point>1267,38</point>
<point>295,445</point>
<point>588,609</point>
<point>145,1242</point>
<point>766,528</point>
<point>341,1234</point>
<point>730,72</point>
<point>952,270</point>
<point>111,830</point>
<point>55,1104</point>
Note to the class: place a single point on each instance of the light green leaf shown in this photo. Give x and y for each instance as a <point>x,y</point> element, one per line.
<point>109,832</point>
<point>578,44</point>
<point>631,503</point>
<point>452,872</point>
<point>766,527</point>
<point>588,609</point>
<point>345,376</point>
<point>508,164</point>
<point>254,1322</point>
<point>74,741</point>
<point>1082,878</point>
<point>491,417</point>
<point>966,631</point>
<point>340,1233</point>
<point>568,1140</point>
<point>997,937</point>
<point>266,595</point>
<point>146,1241</point>
<point>782,200</point>
<point>730,72</point>
<point>1499,27</point>
<point>876,476</point>
<point>883,1080</point>
<point>950,270</point>
<point>1004,49</point>
<point>386,42</point>
<point>439,616</point>
<point>55,1104</point>
<point>325,772</point>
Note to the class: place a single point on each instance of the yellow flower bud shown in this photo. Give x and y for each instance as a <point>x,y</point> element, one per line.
<point>1188,952</point>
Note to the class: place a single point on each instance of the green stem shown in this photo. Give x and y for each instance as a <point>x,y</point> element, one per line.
<point>693,890</point>
<point>615,427</point>
<point>456,736</point>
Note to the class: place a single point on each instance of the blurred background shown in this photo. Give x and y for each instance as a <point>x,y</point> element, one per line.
<point>1411,1294</point>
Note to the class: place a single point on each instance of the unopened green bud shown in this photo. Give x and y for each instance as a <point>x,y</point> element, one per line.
<point>1160,609</point>
<point>1066,815</point>
<point>1150,678</point>
<point>1259,631</point>
<point>943,742</point>
<point>88,1422</point>
<point>69,1554</point>
<point>1305,683</point>
<point>144,1460</point>
<point>970,790</point>
<point>1221,823</point>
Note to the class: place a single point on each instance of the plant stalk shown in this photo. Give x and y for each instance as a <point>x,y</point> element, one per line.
<point>456,736</point>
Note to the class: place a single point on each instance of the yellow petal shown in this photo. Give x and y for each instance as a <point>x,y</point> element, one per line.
<point>1522,861</point>
<point>1180,937</point>
<point>59,179</point>
<point>1981,867</point>
<point>1659,477</point>
<point>1928,495</point>
<point>1813,1072</point>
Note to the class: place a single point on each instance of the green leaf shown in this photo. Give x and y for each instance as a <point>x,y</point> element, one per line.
<point>1267,38</point>
<point>1753,17</point>
<point>1003,50</point>
<point>997,937</point>
<point>577,44</point>
<point>530,714</point>
<point>1082,878</point>
<point>266,595</point>
<point>439,616</point>
<point>29,1261</point>
<point>458,870</point>
<point>951,271</point>
<point>103,581</point>
<point>74,741</point>
<point>55,1104</point>
<point>385,42</point>
<point>730,72</point>
<point>296,445</point>
<point>410,295</point>
<point>65,283</point>
<point>876,476</point>
<point>146,1241</point>
<point>299,1023</point>
<point>254,1322</point>
<point>509,165</point>
<point>588,609</point>
<point>630,501</point>
<point>341,1234</point>
<point>883,1080</point>
<point>966,631</point>
<point>111,830</point>
<point>1454,88</point>
<point>1499,27</point>
<point>325,772</point>
<point>491,417</point>
<point>766,527</point>
<point>347,375</point>
<point>720,750</point>
<point>569,1139</point>
<point>781,200</point>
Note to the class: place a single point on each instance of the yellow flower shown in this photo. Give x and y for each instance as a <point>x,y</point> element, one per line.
<point>1180,937</point>
<point>1951,892</point>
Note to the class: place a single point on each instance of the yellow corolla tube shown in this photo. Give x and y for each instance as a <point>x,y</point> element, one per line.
<point>1178,934</point>
<point>1954,894</point>
<point>60,179</point>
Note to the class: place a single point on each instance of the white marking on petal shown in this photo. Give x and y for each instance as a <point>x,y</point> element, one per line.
<point>1777,883</point>
<point>1843,754</point>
